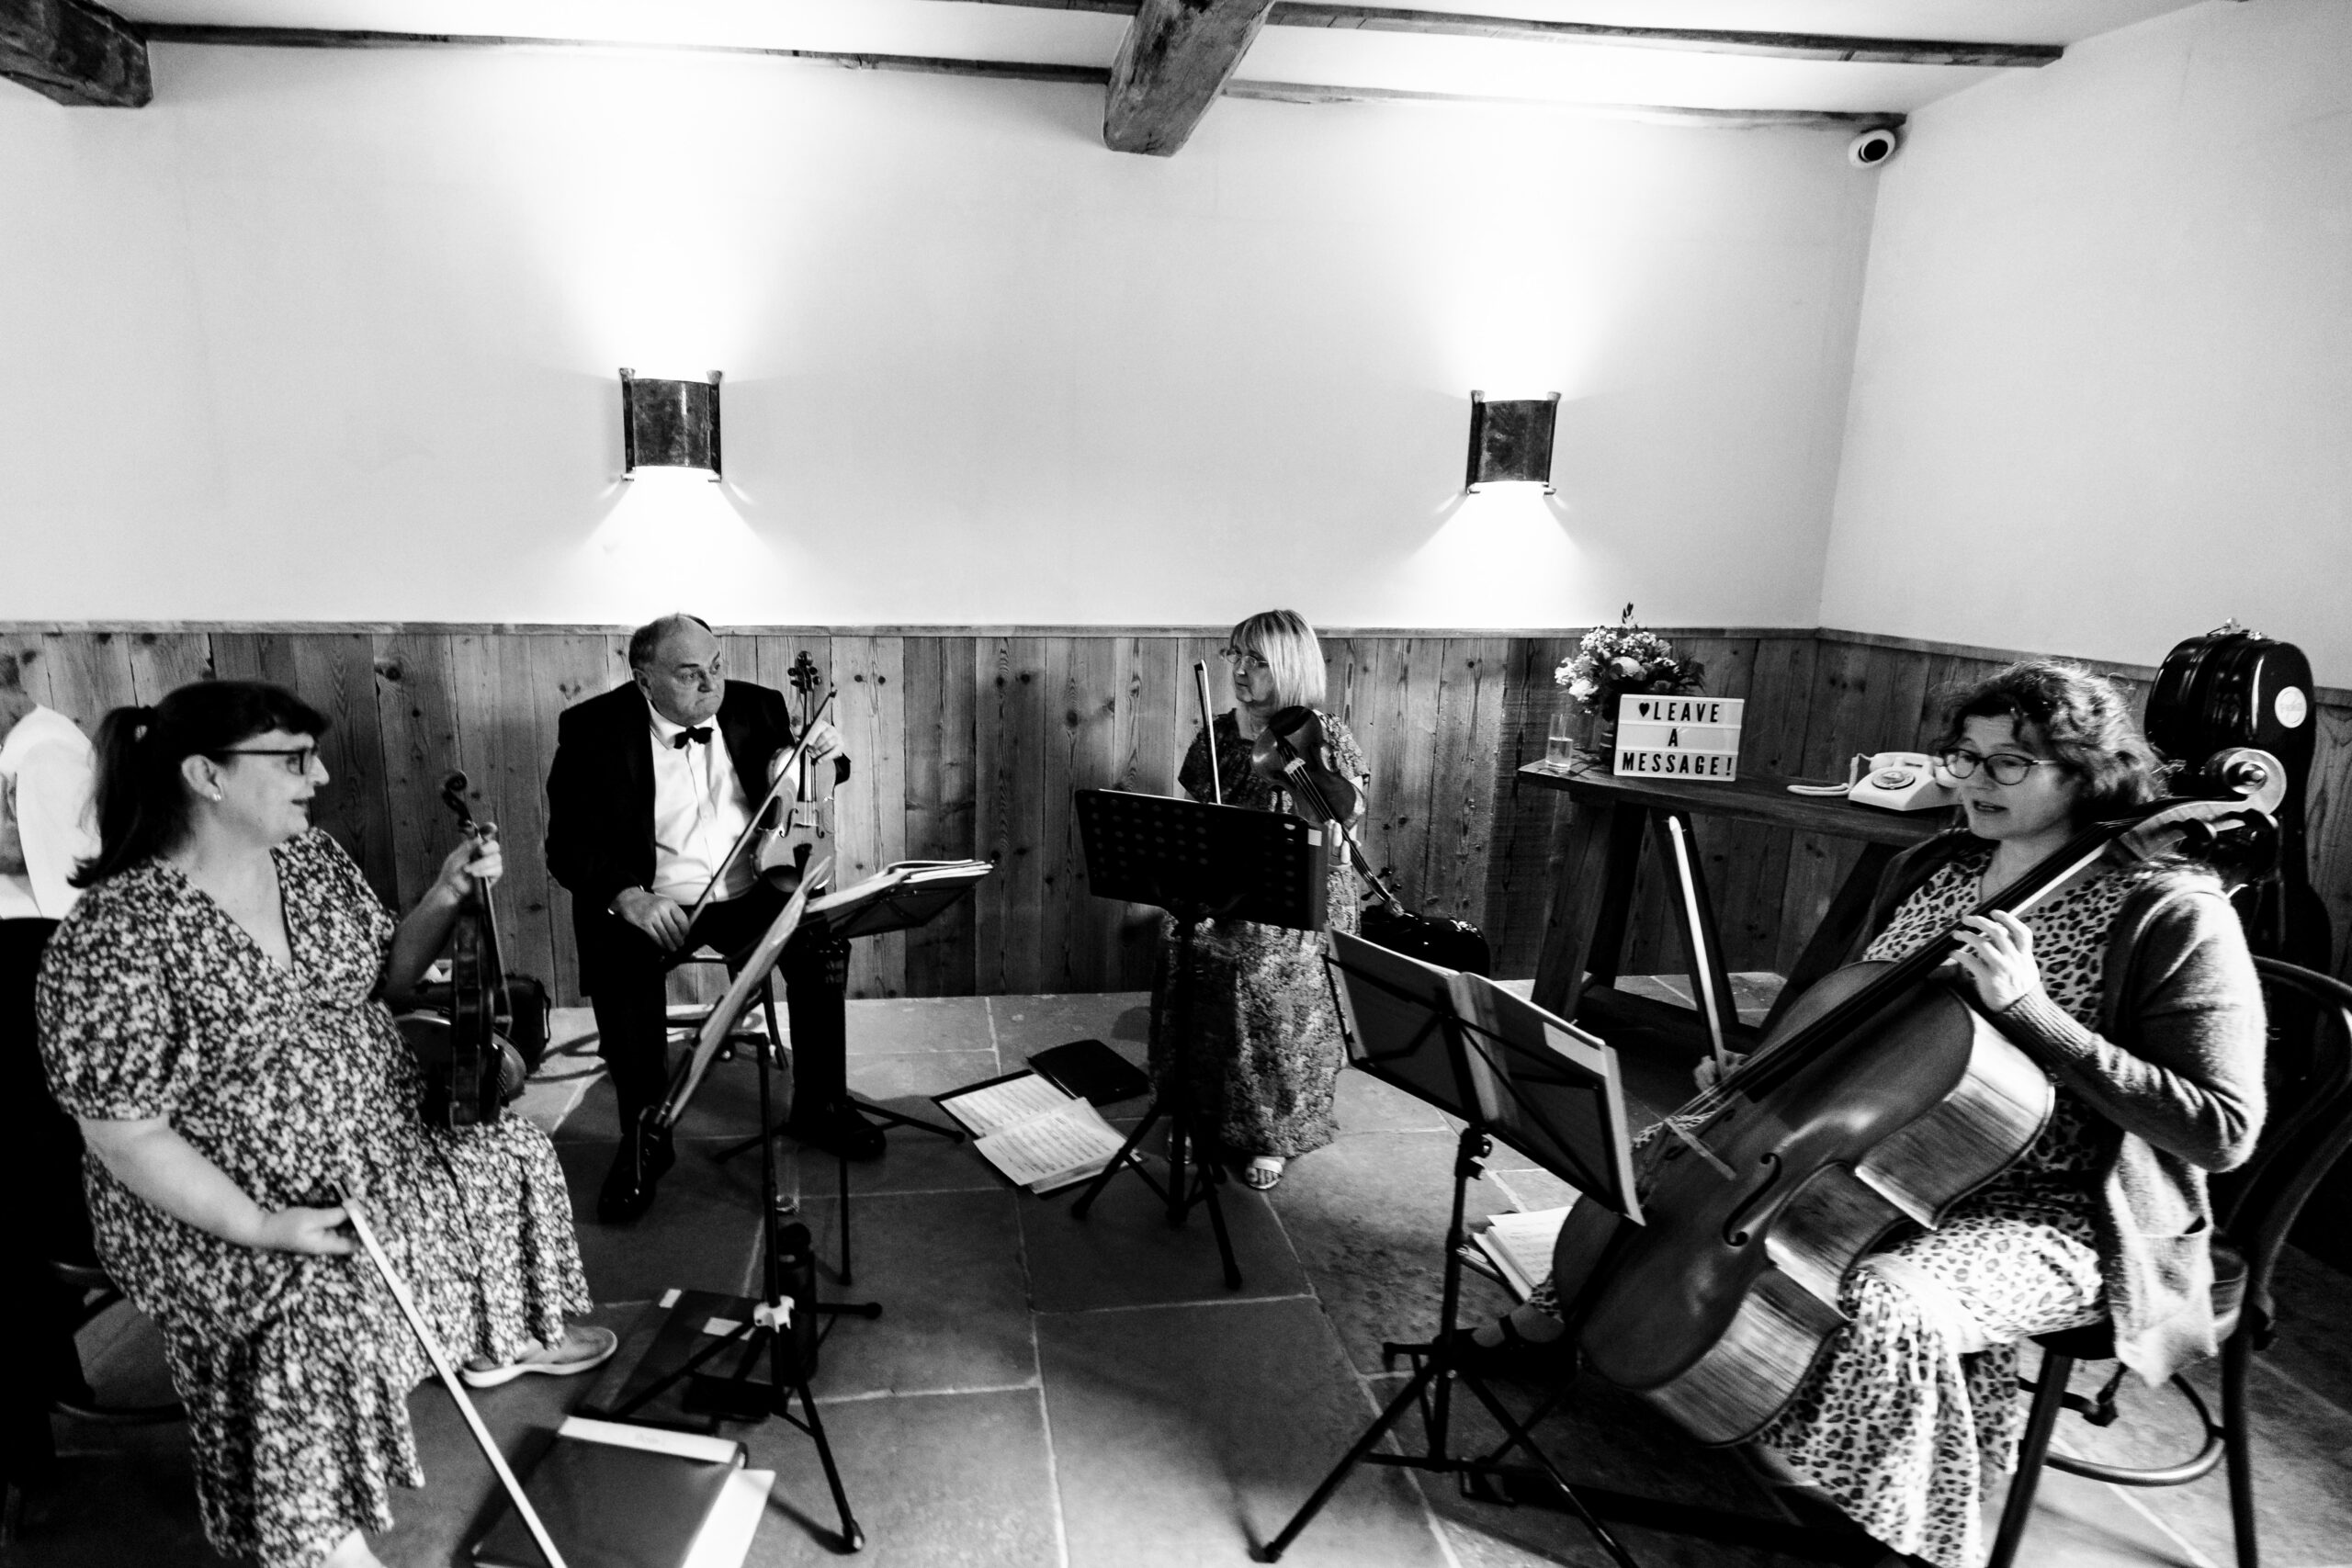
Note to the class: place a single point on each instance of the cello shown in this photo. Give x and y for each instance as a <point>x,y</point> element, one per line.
<point>1882,1099</point>
<point>471,1067</point>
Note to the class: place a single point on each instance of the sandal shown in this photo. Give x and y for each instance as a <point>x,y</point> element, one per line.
<point>593,1347</point>
<point>1263,1172</point>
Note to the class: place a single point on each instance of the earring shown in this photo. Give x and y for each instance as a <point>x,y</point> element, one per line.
<point>214,795</point>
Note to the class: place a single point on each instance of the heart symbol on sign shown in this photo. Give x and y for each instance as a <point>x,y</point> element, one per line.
<point>1641,708</point>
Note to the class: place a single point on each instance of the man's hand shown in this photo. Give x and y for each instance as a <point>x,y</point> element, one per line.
<point>660,918</point>
<point>824,740</point>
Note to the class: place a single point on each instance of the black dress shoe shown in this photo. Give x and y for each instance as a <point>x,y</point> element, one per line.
<point>628,1185</point>
<point>836,1128</point>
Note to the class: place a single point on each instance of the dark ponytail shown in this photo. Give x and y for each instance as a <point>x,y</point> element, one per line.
<point>142,801</point>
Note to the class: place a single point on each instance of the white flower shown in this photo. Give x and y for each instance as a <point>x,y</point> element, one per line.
<point>1582,689</point>
<point>1631,669</point>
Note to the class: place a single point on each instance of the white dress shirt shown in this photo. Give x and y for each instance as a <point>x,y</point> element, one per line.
<point>699,810</point>
<point>47,825</point>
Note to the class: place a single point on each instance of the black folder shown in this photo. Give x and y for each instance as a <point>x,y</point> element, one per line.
<point>609,1502</point>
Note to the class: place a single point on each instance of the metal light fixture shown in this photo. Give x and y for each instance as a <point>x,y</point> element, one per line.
<point>1510,440</point>
<point>668,424</point>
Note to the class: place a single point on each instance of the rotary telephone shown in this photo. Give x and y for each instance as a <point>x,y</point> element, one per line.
<point>1893,781</point>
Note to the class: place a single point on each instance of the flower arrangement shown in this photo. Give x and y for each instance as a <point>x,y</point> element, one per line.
<point>1613,660</point>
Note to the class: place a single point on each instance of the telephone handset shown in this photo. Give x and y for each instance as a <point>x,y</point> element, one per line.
<point>1893,781</point>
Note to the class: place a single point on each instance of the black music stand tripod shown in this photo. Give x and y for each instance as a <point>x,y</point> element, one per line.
<point>784,1323</point>
<point>1197,862</point>
<point>1497,1072</point>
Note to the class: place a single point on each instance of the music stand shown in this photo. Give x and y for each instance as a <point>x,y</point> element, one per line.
<point>901,896</point>
<point>1508,1068</point>
<point>790,1348</point>
<point>1197,862</point>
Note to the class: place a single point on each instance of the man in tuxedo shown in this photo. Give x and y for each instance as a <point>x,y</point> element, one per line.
<point>652,784</point>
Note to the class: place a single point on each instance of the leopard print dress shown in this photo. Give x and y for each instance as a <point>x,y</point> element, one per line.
<point>1902,1420</point>
<point>1266,1053</point>
<point>295,1370</point>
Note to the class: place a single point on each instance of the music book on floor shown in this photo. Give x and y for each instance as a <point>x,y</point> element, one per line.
<point>1031,1131</point>
<point>619,1497</point>
<point>1520,1245</point>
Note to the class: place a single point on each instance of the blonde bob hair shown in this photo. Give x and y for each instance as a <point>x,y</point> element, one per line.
<point>1294,659</point>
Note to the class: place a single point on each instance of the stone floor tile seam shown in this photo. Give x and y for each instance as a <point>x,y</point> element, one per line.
<point>988,1011</point>
<point>1307,1295</point>
<point>2180,1542</point>
<point>1036,1355</point>
<point>1034,1385</point>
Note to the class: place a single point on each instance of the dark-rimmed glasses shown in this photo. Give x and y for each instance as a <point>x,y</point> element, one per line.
<point>297,758</point>
<point>2005,767</point>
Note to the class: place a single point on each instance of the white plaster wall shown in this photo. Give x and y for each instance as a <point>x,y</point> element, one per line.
<point>2103,387</point>
<point>334,336</point>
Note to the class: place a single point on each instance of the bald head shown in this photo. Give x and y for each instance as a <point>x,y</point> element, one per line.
<point>679,667</point>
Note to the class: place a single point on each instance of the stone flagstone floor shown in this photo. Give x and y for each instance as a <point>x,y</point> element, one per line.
<point>1042,1392</point>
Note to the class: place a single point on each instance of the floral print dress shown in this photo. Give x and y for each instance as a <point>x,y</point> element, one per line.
<point>295,1370</point>
<point>1916,1400</point>
<point>1266,1053</point>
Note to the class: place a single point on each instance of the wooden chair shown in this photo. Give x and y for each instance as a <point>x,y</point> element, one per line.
<point>2310,1081</point>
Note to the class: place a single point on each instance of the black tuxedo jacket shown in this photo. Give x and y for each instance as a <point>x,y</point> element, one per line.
<point>600,798</point>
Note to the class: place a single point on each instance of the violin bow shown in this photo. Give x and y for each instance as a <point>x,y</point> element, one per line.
<point>1208,729</point>
<point>789,771</point>
<point>448,1375</point>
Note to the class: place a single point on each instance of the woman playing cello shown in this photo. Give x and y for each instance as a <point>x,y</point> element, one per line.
<point>2132,987</point>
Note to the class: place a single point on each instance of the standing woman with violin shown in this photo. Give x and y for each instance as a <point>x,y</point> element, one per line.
<point>2132,987</point>
<point>1265,1051</point>
<point>213,1014</point>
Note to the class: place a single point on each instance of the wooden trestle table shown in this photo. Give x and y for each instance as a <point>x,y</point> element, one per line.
<point>1591,903</point>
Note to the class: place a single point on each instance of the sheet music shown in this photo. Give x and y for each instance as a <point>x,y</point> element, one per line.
<point>994,1106</point>
<point>1074,1138</point>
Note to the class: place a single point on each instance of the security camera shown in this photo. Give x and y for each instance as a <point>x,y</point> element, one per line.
<point>1872,147</point>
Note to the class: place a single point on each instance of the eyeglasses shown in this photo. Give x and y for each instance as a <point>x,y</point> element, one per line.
<point>2006,767</point>
<point>297,758</point>
<point>1234,656</point>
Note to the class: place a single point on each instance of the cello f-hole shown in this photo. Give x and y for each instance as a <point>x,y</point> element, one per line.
<point>1733,1234</point>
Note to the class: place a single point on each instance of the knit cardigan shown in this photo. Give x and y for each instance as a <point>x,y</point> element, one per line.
<point>2175,1071</point>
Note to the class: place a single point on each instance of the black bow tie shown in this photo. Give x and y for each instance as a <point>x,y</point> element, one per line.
<point>699,732</point>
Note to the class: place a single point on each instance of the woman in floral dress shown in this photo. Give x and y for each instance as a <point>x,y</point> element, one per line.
<point>2133,987</point>
<point>1266,1053</point>
<point>212,1014</point>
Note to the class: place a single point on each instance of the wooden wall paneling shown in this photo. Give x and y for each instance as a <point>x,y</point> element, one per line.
<point>1008,809</point>
<point>1867,699</point>
<point>1154,687</point>
<point>937,708</point>
<point>89,673</point>
<point>416,725</point>
<point>1527,820</point>
<point>1078,932</point>
<point>1462,783</point>
<point>872,812</point>
<point>161,663</point>
<point>1397,700</point>
<point>32,664</point>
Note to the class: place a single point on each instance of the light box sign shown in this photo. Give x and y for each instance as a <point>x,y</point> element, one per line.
<point>1678,737</point>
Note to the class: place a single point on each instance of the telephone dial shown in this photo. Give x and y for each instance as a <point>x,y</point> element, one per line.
<point>1893,781</point>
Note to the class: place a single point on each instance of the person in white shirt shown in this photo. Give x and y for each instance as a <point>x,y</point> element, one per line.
<point>651,785</point>
<point>47,776</point>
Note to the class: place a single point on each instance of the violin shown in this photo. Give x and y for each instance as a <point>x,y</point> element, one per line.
<point>1294,751</point>
<point>471,1067</point>
<point>1882,1099</point>
<point>804,828</point>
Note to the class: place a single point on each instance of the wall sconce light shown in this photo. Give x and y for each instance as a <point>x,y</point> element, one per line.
<point>1510,440</point>
<point>668,424</point>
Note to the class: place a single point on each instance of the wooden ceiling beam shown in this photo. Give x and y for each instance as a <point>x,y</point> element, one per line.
<point>1176,58</point>
<point>75,52</point>
<point>1700,40</point>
